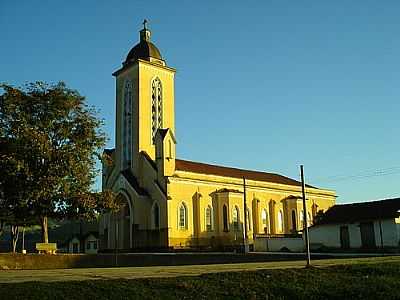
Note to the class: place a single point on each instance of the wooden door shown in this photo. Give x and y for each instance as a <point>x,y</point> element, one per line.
<point>367,235</point>
<point>344,237</point>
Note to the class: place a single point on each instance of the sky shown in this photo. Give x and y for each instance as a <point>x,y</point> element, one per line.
<point>263,85</point>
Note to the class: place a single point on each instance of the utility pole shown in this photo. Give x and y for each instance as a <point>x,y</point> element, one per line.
<point>116,238</point>
<point>246,246</point>
<point>307,239</point>
<point>23,240</point>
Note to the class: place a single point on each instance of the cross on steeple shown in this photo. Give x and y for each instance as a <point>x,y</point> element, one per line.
<point>145,32</point>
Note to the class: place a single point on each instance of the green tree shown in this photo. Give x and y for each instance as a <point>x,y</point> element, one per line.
<point>319,216</point>
<point>52,141</point>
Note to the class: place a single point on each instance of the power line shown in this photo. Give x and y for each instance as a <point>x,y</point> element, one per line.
<point>360,176</point>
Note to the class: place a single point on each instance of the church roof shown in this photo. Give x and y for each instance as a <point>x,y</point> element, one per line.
<point>202,168</point>
<point>145,49</point>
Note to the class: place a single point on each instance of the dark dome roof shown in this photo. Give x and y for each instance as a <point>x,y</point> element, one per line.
<point>143,50</point>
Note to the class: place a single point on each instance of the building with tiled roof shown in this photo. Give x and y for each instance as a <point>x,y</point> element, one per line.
<point>176,203</point>
<point>366,225</point>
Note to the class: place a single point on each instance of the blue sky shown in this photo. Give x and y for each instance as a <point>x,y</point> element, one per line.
<point>265,85</point>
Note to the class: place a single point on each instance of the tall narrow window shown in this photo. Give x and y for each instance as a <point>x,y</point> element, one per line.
<point>156,216</point>
<point>248,220</point>
<point>294,221</point>
<point>280,221</point>
<point>225,217</point>
<point>209,218</point>
<point>309,219</point>
<point>169,149</point>
<point>182,216</point>
<point>235,218</point>
<point>301,218</point>
<point>156,106</point>
<point>264,220</point>
<point>127,125</point>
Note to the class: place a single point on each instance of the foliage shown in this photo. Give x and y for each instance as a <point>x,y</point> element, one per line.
<point>369,281</point>
<point>319,216</point>
<point>50,141</point>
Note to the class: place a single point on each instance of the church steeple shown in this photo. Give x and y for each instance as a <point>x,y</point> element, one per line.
<point>145,49</point>
<point>145,102</point>
<point>145,33</point>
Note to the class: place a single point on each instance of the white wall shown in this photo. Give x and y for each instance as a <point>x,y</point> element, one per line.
<point>329,235</point>
<point>91,238</point>
<point>262,244</point>
<point>70,245</point>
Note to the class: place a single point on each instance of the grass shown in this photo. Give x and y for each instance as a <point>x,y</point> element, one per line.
<point>355,281</point>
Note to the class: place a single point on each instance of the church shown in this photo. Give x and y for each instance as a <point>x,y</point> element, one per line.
<point>171,203</point>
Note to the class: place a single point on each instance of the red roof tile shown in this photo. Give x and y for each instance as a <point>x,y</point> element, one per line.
<point>196,167</point>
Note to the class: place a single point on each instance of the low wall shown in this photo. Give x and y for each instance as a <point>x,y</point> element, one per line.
<point>274,244</point>
<point>66,261</point>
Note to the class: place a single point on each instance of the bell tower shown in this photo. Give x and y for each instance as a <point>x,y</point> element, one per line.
<point>144,101</point>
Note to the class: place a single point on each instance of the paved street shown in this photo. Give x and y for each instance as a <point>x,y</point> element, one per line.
<point>9,276</point>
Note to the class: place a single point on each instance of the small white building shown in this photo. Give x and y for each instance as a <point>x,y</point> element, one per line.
<point>88,244</point>
<point>365,225</point>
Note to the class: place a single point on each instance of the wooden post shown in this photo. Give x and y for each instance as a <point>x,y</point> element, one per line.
<point>307,239</point>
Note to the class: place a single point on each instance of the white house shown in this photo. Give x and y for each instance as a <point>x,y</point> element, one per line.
<point>366,225</point>
<point>87,244</point>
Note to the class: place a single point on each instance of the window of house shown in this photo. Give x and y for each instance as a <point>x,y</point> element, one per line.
<point>235,218</point>
<point>88,245</point>
<point>182,216</point>
<point>209,218</point>
<point>95,245</point>
<point>156,106</point>
<point>225,217</point>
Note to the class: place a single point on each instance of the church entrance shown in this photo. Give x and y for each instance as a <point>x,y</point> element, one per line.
<point>122,225</point>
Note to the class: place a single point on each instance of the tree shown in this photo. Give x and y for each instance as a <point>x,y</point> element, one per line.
<point>52,141</point>
<point>319,216</point>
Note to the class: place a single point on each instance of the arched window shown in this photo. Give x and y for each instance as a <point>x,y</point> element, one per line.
<point>156,106</point>
<point>264,220</point>
<point>280,221</point>
<point>225,217</point>
<point>248,220</point>
<point>127,125</point>
<point>156,216</point>
<point>209,218</point>
<point>294,221</point>
<point>235,218</point>
<point>182,221</point>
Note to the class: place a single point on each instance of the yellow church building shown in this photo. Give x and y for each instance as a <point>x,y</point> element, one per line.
<point>175,203</point>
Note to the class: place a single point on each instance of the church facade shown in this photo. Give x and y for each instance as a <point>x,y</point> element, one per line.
<point>175,203</point>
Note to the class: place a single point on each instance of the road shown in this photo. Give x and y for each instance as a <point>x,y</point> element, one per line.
<point>13,276</point>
